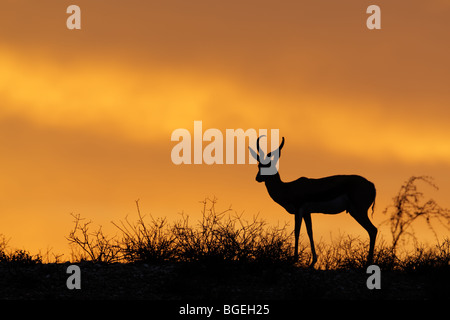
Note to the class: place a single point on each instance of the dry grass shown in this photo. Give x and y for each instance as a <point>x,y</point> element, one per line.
<point>221,236</point>
<point>218,236</point>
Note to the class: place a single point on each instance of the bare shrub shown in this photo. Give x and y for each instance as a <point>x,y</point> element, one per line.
<point>146,242</point>
<point>91,245</point>
<point>17,256</point>
<point>223,236</point>
<point>409,205</point>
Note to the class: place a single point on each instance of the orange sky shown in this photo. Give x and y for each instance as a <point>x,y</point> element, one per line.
<point>86,115</point>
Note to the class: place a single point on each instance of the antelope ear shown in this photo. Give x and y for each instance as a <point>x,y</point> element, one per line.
<point>254,154</point>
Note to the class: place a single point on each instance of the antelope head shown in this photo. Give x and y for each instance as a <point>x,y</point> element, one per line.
<point>266,164</point>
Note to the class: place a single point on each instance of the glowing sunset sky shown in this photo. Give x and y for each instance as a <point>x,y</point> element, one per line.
<point>86,115</point>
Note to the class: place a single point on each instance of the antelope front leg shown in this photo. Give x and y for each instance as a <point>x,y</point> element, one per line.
<point>307,218</point>
<point>298,224</point>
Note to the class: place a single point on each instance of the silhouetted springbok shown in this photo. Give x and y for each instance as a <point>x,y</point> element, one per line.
<point>330,195</point>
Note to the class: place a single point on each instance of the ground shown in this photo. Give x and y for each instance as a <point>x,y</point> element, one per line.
<point>215,281</point>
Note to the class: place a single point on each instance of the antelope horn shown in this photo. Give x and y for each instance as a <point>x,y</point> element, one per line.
<point>277,150</point>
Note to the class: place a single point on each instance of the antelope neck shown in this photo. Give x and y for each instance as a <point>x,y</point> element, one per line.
<point>274,185</point>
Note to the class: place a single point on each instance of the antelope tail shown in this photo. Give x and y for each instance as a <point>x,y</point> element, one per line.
<point>373,203</point>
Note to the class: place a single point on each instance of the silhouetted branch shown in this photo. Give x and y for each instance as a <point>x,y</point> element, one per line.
<point>95,245</point>
<point>409,205</point>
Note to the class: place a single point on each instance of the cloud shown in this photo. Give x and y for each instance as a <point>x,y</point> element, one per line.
<point>149,102</point>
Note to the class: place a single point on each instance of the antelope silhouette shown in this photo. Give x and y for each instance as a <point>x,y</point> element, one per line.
<point>329,195</point>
